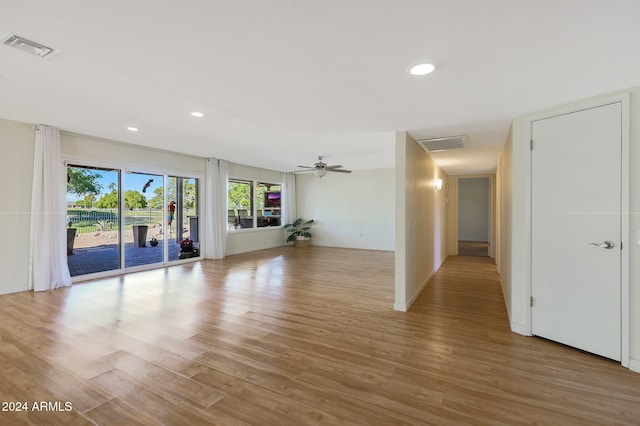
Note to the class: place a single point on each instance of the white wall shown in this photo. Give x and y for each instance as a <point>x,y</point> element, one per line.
<point>88,150</point>
<point>17,142</point>
<point>421,220</point>
<point>251,239</point>
<point>516,221</point>
<point>354,210</point>
<point>473,209</point>
<point>505,174</point>
<point>634,228</point>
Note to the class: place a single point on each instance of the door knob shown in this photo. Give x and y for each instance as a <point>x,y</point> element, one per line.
<point>606,244</point>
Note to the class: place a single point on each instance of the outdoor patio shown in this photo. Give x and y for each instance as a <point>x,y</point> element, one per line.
<point>106,257</point>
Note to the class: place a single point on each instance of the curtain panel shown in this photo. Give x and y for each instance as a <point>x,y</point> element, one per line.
<point>289,198</point>
<point>48,267</point>
<point>216,209</point>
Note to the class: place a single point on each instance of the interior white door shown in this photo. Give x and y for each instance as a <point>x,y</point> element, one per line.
<point>576,217</point>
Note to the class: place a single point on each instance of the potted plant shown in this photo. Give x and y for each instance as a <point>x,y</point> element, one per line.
<point>299,233</point>
<point>187,249</point>
<point>153,241</point>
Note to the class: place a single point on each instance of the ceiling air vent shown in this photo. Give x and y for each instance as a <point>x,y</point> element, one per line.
<point>443,144</point>
<point>21,43</point>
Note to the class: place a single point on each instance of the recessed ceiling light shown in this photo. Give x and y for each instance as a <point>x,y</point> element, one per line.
<point>197,114</point>
<point>421,68</point>
<point>132,129</point>
<point>21,43</point>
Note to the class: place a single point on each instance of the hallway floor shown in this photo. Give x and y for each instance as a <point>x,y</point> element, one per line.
<point>473,248</point>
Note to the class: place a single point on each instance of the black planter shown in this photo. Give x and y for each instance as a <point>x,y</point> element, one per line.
<point>71,237</point>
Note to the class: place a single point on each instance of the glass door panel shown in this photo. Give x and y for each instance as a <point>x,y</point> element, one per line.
<point>93,237</point>
<point>182,199</point>
<point>144,230</point>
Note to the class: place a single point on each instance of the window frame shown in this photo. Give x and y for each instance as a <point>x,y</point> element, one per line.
<point>254,183</point>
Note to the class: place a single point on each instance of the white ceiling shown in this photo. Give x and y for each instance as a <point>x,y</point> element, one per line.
<point>283,81</point>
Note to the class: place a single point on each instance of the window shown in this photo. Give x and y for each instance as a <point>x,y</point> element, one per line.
<point>253,204</point>
<point>268,200</point>
<point>240,204</point>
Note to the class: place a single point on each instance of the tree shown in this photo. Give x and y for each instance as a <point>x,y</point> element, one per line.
<point>239,195</point>
<point>81,181</point>
<point>156,201</point>
<point>88,200</point>
<point>134,200</point>
<point>188,193</point>
<point>108,201</point>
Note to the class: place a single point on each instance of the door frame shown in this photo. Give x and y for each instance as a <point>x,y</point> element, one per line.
<point>624,100</point>
<point>166,173</point>
<point>452,197</point>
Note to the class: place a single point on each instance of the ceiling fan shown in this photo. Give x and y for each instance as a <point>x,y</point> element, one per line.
<point>320,168</point>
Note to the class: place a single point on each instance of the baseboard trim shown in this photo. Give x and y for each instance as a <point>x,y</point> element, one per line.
<point>519,328</point>
<point>634,365</point>
<point>13,290</point>
<point>404,307</point>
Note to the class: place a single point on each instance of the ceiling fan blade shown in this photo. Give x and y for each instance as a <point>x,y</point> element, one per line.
<point>320,168</point>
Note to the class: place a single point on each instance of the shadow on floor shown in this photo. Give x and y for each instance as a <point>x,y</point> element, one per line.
<point>473,248</point>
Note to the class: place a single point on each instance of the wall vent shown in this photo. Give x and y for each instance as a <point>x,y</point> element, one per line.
<point>443,144</point>
<point>21,43</point>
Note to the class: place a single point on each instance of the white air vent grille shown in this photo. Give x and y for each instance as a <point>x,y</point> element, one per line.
<point>443,144</point>
<point>21,43</point>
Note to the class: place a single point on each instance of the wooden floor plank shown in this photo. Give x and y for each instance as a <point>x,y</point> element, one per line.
<point>296,336</point>
<point>117,412</point>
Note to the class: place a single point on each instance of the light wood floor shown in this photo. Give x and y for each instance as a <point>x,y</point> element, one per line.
<point>473,248</point>
<point>291,337</point>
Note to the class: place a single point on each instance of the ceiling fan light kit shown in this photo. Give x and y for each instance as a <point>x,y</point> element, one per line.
<point>320,168</point>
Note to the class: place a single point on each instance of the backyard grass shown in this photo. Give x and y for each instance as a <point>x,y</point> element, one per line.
<point>94,220</point>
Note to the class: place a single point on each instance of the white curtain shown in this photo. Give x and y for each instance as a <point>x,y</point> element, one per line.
<point>216,209</point>
<point>48,267</point>
<point>289,198</point>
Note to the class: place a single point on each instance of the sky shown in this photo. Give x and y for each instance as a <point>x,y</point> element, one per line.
<point>132,181</point>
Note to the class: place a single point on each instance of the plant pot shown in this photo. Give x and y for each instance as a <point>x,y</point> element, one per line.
<point>71,237</point>
<point>153,243</point>
<point>140,235</point>
<point>189,254</point>
<point>302,242</point>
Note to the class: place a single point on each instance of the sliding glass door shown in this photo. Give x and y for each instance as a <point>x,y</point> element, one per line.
<point>93,229</point>
<point>160,212</point>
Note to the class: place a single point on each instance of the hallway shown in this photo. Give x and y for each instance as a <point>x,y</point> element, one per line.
<point>497,376</point>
